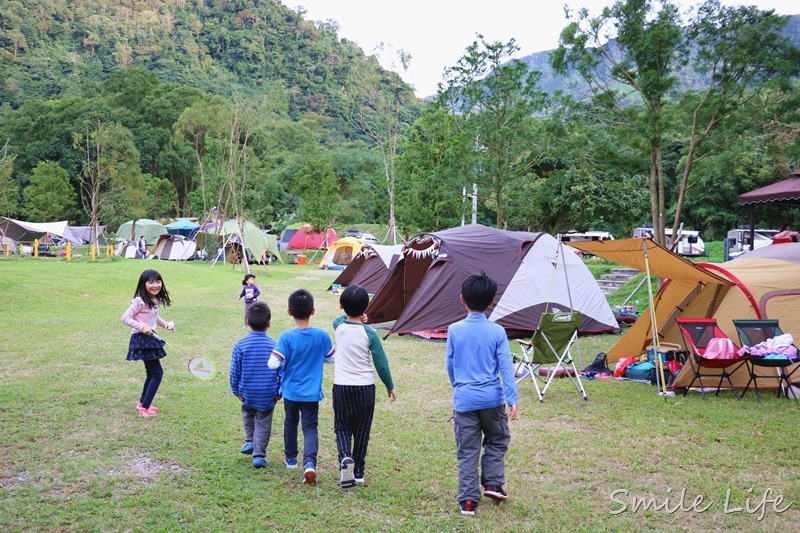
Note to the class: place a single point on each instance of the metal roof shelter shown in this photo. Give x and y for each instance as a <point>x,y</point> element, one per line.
<point>783,192</point>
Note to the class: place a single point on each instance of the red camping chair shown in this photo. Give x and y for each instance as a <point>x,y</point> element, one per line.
<point>751,334</point>
<point>697,334</point>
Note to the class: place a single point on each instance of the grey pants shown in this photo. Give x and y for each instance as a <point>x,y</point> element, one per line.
<point>257,428</point>
<point>487,427</point>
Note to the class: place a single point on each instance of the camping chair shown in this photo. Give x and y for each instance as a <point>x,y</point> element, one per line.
<point>550,345</point>
<point>751,334</point>
<point>697,336</point>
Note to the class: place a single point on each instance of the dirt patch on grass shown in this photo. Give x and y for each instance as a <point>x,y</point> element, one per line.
<point>11,481</point>
<point>145,469</point>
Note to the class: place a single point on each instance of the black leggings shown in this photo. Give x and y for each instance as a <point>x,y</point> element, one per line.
<point>152,382</point>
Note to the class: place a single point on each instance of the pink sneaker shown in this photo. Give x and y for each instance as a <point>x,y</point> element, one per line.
<point>139,406</point>
<point>150,411</point>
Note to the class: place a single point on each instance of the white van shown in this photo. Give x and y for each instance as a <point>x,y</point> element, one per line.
<point>690,244</point>
<point>739,240</point>
<point>576,236</point>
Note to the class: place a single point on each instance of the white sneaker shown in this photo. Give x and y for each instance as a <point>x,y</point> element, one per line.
<point>346,478</point>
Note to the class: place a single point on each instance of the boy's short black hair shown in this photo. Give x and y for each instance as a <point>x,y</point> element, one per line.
<point>301,303</point>
<point>478,291</point>
<point>354,300</point>
<point>258,315</point>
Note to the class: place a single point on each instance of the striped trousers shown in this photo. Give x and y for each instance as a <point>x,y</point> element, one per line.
<point>353,408</point>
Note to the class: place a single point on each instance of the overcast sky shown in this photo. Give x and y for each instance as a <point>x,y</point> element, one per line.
<point>437,32</point>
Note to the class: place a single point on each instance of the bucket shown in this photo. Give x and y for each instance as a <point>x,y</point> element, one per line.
<point>301,259</point>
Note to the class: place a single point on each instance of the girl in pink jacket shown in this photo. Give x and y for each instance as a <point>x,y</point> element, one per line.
<point>142,317</point>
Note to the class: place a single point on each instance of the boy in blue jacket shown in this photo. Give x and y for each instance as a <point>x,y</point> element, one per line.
<point>300,353</point>
<point>254,383</point>
<point>477,356</point>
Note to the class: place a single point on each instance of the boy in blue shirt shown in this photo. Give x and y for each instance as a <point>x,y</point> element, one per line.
<point>254,383</point>
<point>358,347</point>
<point>301,352</point>
<point>477,351</point>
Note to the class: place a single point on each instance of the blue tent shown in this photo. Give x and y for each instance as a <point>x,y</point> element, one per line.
<point>184,227</point>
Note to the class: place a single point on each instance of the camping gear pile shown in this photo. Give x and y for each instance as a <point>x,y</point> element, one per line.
<point>759,284</point>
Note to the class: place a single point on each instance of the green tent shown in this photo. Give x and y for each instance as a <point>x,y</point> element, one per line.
<point>255,240</point>
<point>133,229</point>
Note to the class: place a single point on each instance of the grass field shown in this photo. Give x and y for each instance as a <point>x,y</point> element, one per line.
<point>74,455</point>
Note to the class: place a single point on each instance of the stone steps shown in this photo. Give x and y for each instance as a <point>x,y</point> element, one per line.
<point>615,279</point>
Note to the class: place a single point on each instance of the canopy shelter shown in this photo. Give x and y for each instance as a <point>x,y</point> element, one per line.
<point>184,227</point>
<point>783,192</point>
<point>255,241</point>
<point>84,233</point>
<point>683,278</point>
<point>20,231</point>
<point>764,283</point>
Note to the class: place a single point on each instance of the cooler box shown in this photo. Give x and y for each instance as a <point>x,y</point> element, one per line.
<point>301,259</point>
<point>663,348</point>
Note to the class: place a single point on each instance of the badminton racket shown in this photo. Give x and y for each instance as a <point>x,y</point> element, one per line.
<point>199,366</point>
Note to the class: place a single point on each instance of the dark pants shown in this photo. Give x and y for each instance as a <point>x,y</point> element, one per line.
<point>306,413</point>
<point>353,408</point>
<point>151,382</point>
<point>473,428</point>
<point>257,429</point>
<point>246,305</point>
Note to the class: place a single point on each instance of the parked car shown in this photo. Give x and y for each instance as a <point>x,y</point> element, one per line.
<point>353,233</point>
<point>368,238</point>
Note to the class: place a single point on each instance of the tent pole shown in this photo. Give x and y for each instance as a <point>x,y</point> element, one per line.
<point>660,381</point>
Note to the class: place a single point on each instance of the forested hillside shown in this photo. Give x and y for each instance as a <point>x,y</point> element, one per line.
<point>217,103</point>
<point>231,48</point>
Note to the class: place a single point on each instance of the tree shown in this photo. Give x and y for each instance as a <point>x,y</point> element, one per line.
<point>50,196</point>
<point>494,98</point>
<point>379,101</point>
<point>744,55</point>
<point>318,189</point>
<point>111,164</point>
<point>8,188</point>
<point>431,167</point>
<point>641,59</point>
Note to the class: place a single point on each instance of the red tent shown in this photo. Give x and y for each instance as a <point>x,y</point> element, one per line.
<point>307,239</point>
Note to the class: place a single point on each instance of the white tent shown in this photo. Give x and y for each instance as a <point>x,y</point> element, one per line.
<point>174,248</point>
<point>20,231</point>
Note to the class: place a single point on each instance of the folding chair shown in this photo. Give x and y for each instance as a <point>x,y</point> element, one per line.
<point>550,345</point>
<point>755,332</point>
<point>697,334</point>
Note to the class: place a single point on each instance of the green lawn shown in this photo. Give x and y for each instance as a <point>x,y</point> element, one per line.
<point>74,455</point>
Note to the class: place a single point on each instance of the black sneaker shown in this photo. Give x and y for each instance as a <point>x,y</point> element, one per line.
<point>495,492</point>
<point>468,507</point>
<point>359,476</point>
<point>346,478</point>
